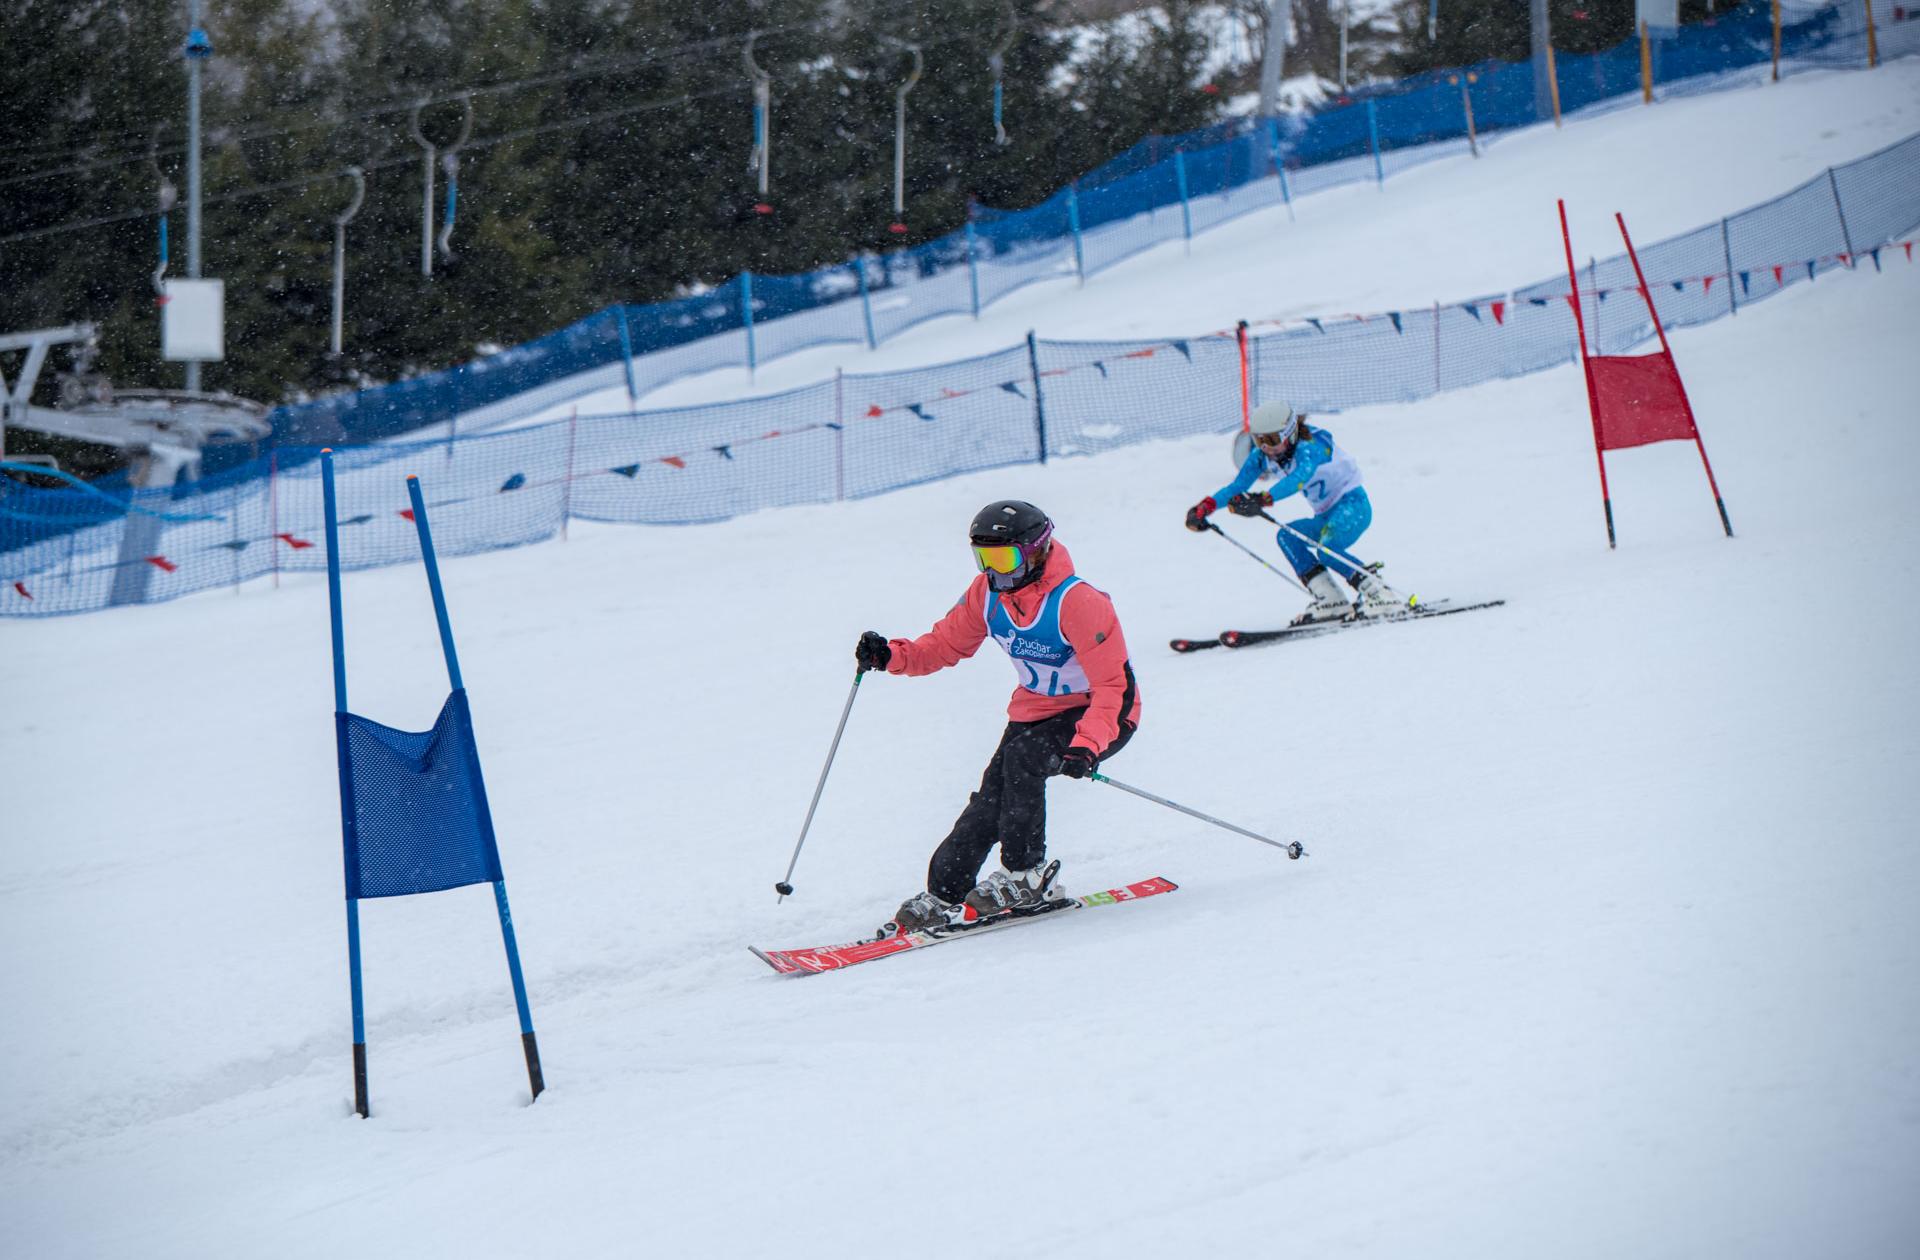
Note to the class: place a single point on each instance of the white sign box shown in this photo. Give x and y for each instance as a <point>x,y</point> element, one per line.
<point>193,320</point>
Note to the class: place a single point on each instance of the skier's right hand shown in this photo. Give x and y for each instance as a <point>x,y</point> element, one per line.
<point>1197,514</point>
<point>872,652</point>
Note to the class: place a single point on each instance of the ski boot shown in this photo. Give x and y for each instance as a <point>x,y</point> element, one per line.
<point>1017,892</point>
<point>924,912</point>
<point>1328,603</point>
<point>1377,599</point>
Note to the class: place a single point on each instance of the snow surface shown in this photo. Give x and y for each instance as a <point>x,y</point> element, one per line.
<point>1605,945</point>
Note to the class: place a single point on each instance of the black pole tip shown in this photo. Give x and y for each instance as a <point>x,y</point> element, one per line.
<point>784,889</point>
<point>1295,851</point>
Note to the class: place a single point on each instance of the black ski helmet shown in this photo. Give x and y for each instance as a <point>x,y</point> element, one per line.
<point>1011,523</point>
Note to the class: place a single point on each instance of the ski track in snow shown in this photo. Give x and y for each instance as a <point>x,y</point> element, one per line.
<point>1605,944</point>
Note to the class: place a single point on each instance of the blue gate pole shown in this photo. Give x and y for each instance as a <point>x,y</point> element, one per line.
<point>973,269</point>
<point>866,305</point>
<point>1073,221</point>
<point>1186,209</point>
<point>1279,164</point>
<point>1373,139</point>
<point>746,314</point>
<point>528,1043</point>
<point>1039,407</point>
<point>349,845</point>
<point>626,353</point>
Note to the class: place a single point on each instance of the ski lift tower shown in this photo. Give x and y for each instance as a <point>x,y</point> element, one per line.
<point>163,431</point>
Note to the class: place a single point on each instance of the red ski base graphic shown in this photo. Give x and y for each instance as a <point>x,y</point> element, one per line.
<point>834,957</point>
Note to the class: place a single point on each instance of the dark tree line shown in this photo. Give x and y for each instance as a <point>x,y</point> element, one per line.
<point>618,171</point>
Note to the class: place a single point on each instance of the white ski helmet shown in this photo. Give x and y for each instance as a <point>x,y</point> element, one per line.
<point>1274,425</point>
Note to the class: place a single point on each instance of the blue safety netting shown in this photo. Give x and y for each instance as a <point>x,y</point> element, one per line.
<point>65,550</point>
<point>1163,188</point>
<point>414,806</point>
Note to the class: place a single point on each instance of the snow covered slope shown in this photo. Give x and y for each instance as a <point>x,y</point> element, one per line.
<point>1605,947</point>
<point>1453,229</point>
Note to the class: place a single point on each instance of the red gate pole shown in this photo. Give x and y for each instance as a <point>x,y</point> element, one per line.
<point>1685,403</point>
<point>1246,404</point>
<point>1593,400</point>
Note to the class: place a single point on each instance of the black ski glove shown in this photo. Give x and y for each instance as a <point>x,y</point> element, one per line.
<point>1250,504</point>
<point>1076,762</point>
<point>873,651</point>
<point>1197,514</point>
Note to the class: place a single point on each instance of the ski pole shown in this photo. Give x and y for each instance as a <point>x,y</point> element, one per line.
<point>785,886</point>
<point>1293,848</point>
<point>1314,543</point>
<point>1258,558</point>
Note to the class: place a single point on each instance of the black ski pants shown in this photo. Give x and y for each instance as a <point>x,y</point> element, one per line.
<point>1010,809</point>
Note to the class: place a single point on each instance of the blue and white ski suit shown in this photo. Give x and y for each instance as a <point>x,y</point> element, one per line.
<point>1330,480</point>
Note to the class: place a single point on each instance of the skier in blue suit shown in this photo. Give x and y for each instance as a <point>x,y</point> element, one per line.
<point>1308,462</point>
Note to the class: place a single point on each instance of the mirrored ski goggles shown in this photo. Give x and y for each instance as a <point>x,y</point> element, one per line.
<point>1003,558</point>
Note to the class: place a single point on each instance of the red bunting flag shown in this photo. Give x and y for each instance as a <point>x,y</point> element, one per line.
<point>1707,284</point>
<point>298,544</point>
<point>162,563</point>
<point>406,514</point>
<point>1500,312</point>
<point>1845,259</point>
<point>1139,354</point>
<point>875,410</point>
<point>1778,270</point>
<point>22,588</point>
<point>673,460</point>
<point>1909,245</point>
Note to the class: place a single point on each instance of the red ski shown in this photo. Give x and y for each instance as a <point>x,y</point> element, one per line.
<point>834,957</point>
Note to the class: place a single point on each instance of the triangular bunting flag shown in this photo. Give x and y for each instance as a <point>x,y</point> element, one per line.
<point>361,519</point>
<point>875,410</point>
<point>629,471</point>
<point>1875,251</point>
<point>1778,277</point>
<point>673,461</point>
<point>1317,325</point>
<point>836,426</point>
<point>1602,293</point>
<point>1745,279</point>
<point>1012,387</point>
<point>406,514</point>
<point>238,544</point>
<point>1706,284</point>
<point>1499,312</point>
<point>1679,286</point>
<point>1472,310</point>
<point>298,544</point>
<point>512,483</point>
<point>1184,349</point>
<point>1395,317</point>
<point>162,563</point>
<point>22,588</point>
<point>920,410</point>
<point>1809,268</point>
<point>723,450</point>
<point>1846,260</point>
<point>1908,245</point>
<point>1542,301</point>
<point>1101,368</point>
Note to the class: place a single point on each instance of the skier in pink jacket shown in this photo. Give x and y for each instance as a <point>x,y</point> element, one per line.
<point>1075,702</point>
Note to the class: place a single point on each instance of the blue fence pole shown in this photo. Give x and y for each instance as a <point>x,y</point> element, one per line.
<point>626,352</point>
<point>1373,140</point>
<point>1186,207</point>
<point>973,269</point>
<point>1279,164</point>
<point>866,305</point>
<point>746,317</point>
<point>349,847</point>
<point>1073,221</point>
<point>1039,406</point>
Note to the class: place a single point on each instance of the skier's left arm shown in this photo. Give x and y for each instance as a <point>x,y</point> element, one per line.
<point>1092,629</point>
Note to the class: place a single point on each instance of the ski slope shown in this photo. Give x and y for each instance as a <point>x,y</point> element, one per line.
<point>1605,945</point>
<point>1453,229</point>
